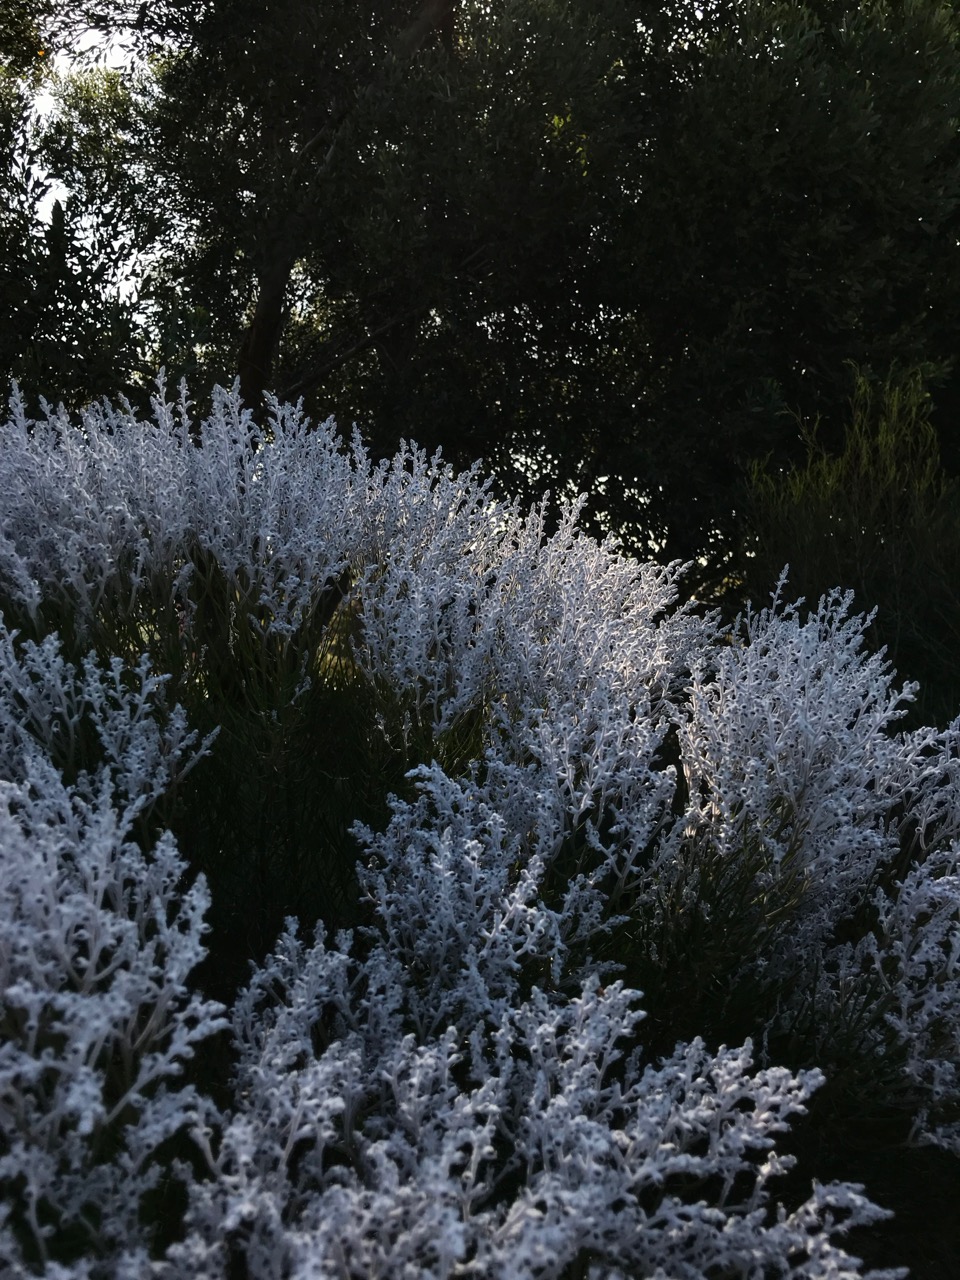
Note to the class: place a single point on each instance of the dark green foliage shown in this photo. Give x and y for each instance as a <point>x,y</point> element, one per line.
<point>604,247</point>
<point>881,517</point>
<point>805,170</point>
<point>68,328</point>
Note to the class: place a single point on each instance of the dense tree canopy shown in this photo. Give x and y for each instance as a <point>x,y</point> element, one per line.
<point>609,247</point>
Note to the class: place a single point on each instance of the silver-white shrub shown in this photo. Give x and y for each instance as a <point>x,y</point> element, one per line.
<point>102,523</point>
<point>98,938</point>
<point>790,751</point>
<point>789,742</point>
<point>519,1147</point>
<point>48,707</point>
<point>916,952</point>
<point>461,1088</point>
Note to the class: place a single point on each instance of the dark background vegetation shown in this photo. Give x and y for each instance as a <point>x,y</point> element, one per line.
<point>622,248</point>
<point>700,261</point>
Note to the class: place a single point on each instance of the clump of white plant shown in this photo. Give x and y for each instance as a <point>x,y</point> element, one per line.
<point>594,790</point>
<point>98,938</point>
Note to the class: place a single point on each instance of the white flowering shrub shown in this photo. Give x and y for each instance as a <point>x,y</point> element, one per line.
<point>561,840</point>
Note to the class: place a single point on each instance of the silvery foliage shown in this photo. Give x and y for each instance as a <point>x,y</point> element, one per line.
<point>520,1147</point>
<point>97,941</point>
<point>107,512</point>
<point>458,1091</point>
<point>789,741</point>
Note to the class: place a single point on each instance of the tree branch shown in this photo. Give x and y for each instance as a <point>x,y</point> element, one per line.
<point>308,381</point>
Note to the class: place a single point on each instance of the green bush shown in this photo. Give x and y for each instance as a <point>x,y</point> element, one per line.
<point>881,518</point>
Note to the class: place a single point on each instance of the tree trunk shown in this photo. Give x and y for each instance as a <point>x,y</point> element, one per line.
<point>260,342</point>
